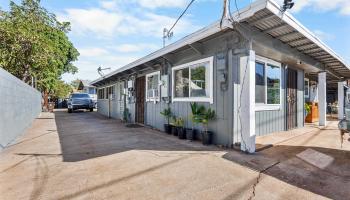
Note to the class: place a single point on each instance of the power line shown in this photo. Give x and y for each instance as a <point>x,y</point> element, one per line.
<point>181,15</point>
<point>168,33</point>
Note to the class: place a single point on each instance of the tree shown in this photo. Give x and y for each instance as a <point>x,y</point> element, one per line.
<point>62,90</point>
<point>34,43</point>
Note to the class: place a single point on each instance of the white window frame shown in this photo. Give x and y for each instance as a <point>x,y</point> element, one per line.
<point>265,106</point>
<point>104,93</point>
<point>209,99</point>
<point>153,98</point>
<point>308,88</point>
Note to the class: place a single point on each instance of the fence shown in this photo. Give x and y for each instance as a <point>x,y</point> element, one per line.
<point>20,104</point>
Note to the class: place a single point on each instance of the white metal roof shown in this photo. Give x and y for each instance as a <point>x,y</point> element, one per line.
<point>266,16</point>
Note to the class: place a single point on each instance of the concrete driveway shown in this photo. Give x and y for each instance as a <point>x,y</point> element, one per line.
<point>87,156</point>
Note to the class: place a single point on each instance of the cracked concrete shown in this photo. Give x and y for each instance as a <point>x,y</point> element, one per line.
<point>87,156</point>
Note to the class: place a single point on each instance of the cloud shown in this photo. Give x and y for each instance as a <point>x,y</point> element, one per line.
<point>323,35</point>
<point>93,51</point>
<point>97,21</point>
<point>341,6</point>
<point>88,63</point>
<point>103,23</point>
<point>163,3</point>
<point>132,48</point>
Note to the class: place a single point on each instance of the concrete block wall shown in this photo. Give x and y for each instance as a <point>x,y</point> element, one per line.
<point>20,104</point>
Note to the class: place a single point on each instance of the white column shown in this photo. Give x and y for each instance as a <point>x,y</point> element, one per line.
<point>341,100</point>
<point>322,98</point>
<point>247,102</point>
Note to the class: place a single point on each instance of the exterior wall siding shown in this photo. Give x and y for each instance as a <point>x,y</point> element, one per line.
<point>226,127</point>
<point>270,121</point>
<point>223,99</point>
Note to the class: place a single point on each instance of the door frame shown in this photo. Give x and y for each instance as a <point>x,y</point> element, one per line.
<point>295,114</point>
<point>142,101</point>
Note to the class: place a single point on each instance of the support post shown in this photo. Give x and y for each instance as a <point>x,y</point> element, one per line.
<point>322,98</point>
<point>247,102</point>
<point>341,99</point>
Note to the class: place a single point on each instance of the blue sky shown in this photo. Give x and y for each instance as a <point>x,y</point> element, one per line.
<point>112,33</point>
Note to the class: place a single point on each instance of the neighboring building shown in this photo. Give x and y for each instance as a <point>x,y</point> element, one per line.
<point>251,73</point>
<point>85,87</point>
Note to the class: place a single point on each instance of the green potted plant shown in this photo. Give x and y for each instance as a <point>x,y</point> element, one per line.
<point>195,119</point>
<point>307,109</point>
<point>126,115</point>
<point>173,125</point>
<point>180,128</point>
<point>167,114</point>
<point>206,117</point>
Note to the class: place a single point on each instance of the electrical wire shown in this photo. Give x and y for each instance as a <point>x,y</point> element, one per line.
<point>183,12</point>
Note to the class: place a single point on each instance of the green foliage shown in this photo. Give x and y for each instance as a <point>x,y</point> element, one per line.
<point>34,43</point>
<point>206,117</point>
<point>197,112</point>
<point>62,90</point>
<point>307,108</point>
<point>167,114</point>
<point>173,120</point>
<point>126,115</point>
<point>179,122</point>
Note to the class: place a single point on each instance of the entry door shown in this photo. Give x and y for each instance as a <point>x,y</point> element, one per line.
<point>140,100</point>
<point>291,99</point>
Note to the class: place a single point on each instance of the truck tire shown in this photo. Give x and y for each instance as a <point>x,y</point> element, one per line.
<point>69,110</point>
<point>91,110</point>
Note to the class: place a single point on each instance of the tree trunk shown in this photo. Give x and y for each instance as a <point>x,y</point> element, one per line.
<point>46,100</point>
<point>26,75</point>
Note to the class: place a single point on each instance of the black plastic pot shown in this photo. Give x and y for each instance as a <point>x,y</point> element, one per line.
<point>190,134</point>
<point>181,133</point>
<point>167,128</point>
<point>207,137</point>
<point>174,130</point>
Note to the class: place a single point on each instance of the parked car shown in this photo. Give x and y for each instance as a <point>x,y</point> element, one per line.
<point>80,101</point>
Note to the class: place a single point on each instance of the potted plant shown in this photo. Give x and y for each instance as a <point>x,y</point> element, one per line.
<point>195,119</point>
<point>167,114</point>
<point>207,135</point>
<point>173,125</point>
<point>307,110</point>
<point>180,128</point>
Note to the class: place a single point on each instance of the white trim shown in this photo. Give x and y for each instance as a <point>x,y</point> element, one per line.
<point>308,88</point>
<point>158,97</point>
<point>266,106</point>
<point>209,99</point>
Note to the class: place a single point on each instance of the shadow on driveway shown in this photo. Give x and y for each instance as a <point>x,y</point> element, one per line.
<point>85,135</point>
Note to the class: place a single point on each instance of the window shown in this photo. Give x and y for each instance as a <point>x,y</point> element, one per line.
<point>306,88</point>
<point>152,86</point>
<point>267,83</point>
<point>78,95</point>
<point>193,81</point>
<point>101,93</point>
<point>92,90</point>
<point>110,92</point>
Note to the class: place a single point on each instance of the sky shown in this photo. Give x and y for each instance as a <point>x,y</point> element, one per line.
<point>113,33</point>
